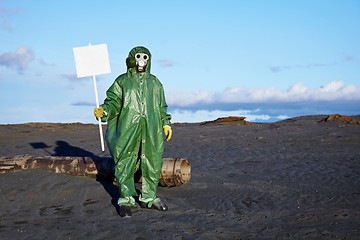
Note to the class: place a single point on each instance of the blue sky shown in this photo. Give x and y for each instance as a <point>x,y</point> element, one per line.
<point>263,59</point>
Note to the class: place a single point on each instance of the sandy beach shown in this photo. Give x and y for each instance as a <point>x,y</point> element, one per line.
<point>294,179</point>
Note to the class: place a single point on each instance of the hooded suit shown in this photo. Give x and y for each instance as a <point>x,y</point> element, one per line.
<point>136,112</point>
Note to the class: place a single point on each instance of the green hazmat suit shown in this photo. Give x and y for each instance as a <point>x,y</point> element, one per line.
<point>136,112</point>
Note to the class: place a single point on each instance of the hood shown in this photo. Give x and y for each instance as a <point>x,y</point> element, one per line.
<point>140,49</point>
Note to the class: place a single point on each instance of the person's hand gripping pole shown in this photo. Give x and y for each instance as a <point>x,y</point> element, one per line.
<point>167,131</point>
<point>99,112</point>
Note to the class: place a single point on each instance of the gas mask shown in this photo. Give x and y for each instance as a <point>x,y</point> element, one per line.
<point>141,61</point>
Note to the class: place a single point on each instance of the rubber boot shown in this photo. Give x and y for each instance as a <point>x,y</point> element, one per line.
<point>125,211</point>
<point>160,205</point>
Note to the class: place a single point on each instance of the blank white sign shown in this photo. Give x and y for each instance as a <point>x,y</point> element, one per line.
<point>91,60</point>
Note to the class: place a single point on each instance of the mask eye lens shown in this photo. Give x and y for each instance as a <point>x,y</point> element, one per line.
<point>145,57</point>
<point>138,56</point>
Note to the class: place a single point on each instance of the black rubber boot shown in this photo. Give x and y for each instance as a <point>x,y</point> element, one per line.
<point>125,211</point>
<point>161,206</point>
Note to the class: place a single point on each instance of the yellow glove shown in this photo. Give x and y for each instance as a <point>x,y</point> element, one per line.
<point>99,112</point>
<point>167,131</point>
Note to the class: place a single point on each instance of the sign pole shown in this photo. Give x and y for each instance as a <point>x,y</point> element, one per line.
<point>97,105</point>
<point>100,127</point>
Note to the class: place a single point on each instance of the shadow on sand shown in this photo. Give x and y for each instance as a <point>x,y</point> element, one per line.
<point>64,149</point>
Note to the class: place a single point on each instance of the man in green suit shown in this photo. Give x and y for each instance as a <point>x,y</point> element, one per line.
<point>136,112</point>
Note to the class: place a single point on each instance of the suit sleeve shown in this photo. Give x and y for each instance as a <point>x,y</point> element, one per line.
<point>113,102</point>
<point>165,117</point>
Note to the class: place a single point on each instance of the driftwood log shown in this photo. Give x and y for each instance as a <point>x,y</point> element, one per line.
<point>175,171</point>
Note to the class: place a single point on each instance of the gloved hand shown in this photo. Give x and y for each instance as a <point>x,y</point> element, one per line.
<point>167,131</point>
<point>99,112</point>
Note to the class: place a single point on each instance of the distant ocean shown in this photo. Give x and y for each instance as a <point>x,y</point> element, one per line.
<point>262,112</point>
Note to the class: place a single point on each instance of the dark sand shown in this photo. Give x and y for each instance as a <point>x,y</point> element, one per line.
<point>295,179</point>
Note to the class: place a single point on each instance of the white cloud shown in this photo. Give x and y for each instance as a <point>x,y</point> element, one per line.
<point>5,15</point>
<point>165,63</point>
<point>19,60</point>
<point>280,68</point>
<point>83,103</point>
<point>44,63</point>
<point>71,77</point>
<point>187,99</point>
<point>335,90</point>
